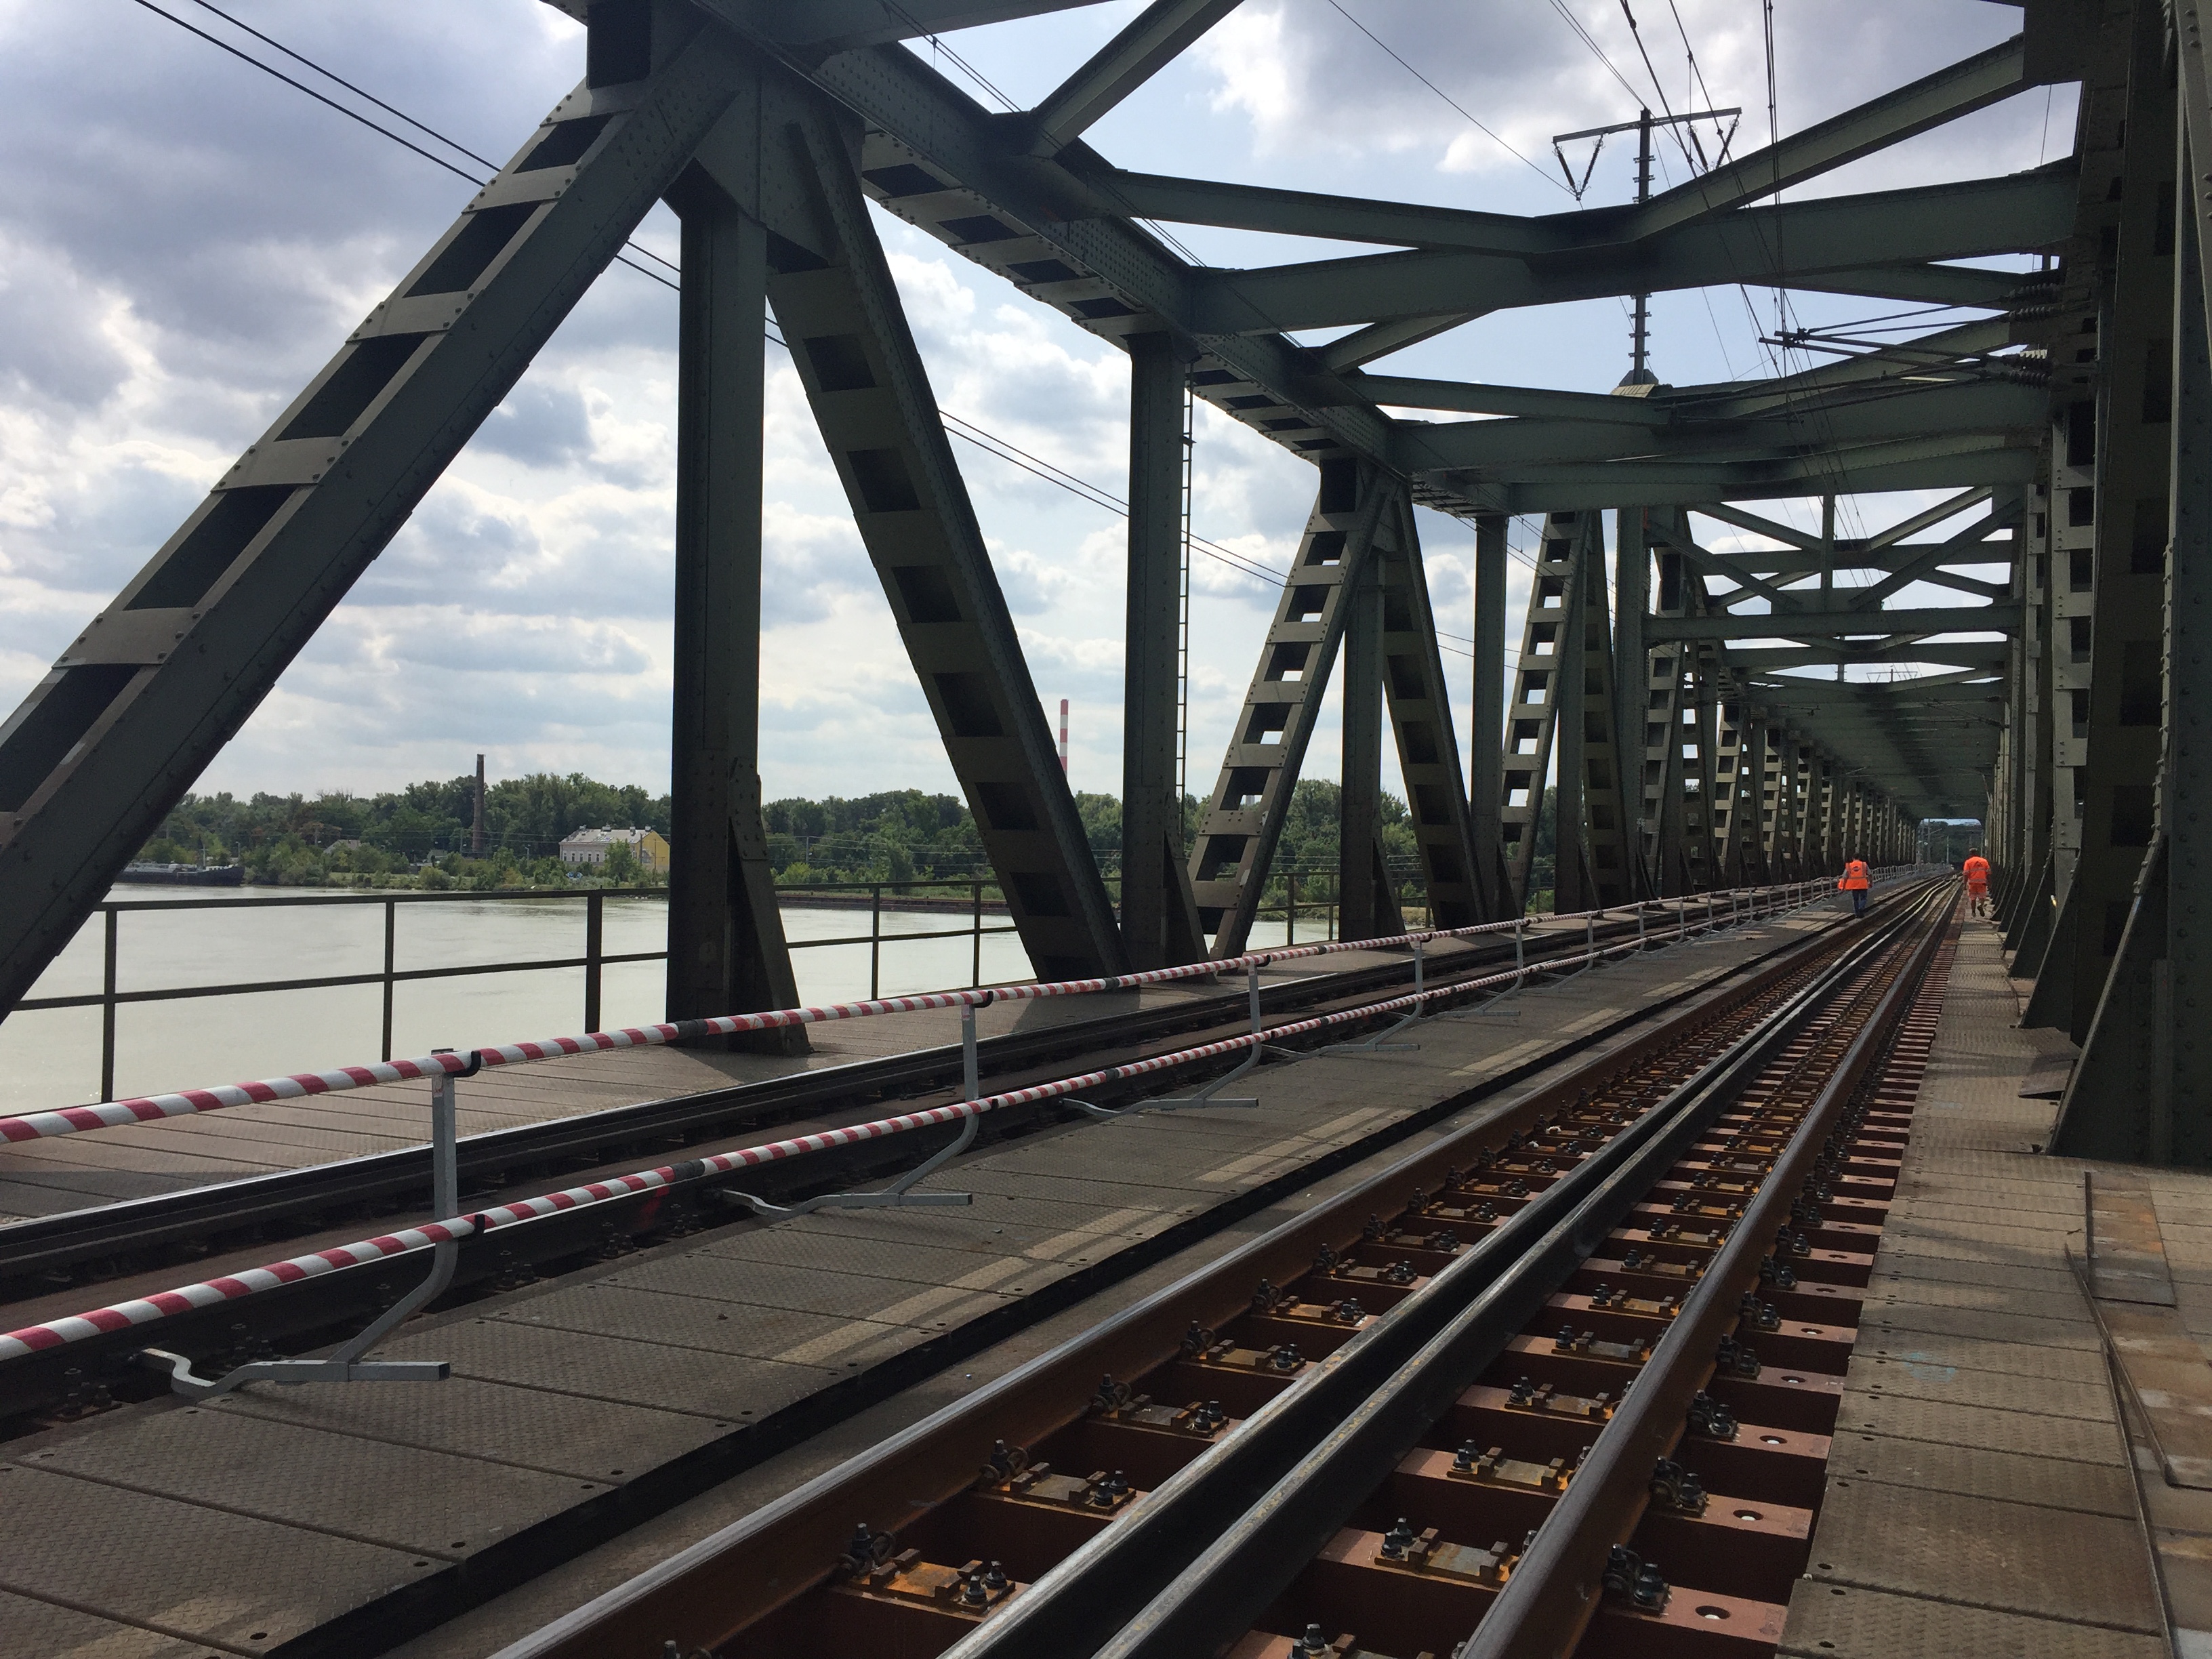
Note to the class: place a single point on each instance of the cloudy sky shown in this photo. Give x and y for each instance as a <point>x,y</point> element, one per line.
<point>184,241</point>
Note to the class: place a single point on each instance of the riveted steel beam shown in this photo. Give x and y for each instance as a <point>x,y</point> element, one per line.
<point>872,398</point>
<point>1242,821</point>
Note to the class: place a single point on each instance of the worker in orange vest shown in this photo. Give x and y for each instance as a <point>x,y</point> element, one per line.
<point>1977,870</point>
<point>1856,882</point>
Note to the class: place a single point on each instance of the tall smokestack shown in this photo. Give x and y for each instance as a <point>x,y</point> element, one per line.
<point>476,829</point>
<point>1063,735</point>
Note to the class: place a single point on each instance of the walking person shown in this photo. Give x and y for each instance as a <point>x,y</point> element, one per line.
<point>1977,871</point>
<point>1857,882</point>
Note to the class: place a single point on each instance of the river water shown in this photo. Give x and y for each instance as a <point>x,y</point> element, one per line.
<point>51,1057</point>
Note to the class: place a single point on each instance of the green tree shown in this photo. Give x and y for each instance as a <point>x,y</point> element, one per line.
<point>621,867</point>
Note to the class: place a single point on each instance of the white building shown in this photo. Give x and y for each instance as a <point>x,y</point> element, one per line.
<point>589,846</point>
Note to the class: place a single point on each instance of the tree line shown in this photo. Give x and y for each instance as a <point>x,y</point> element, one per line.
<point>418,835</point>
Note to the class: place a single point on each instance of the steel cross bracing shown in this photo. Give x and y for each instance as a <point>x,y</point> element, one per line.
<point>768,124</point>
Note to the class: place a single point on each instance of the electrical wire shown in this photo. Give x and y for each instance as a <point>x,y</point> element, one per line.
<point>1446,96</point>
<point>401,139</point>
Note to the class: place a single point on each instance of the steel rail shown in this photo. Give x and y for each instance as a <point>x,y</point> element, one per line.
<point>44,1246</point>
<point>1266,1499</point>
<point>705,1596</point>
<point>1543,1609</point>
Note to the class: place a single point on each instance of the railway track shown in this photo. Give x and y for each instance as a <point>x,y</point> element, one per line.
<point>55,1256</point>
<point>1558,1384</point>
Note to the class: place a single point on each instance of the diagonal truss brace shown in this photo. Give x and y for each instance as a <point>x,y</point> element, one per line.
<point>872,398</point>
<point>1244,819</point>
<point>145,698</point>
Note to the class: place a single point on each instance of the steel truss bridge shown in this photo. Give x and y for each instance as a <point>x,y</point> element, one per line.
<point>2069,434</point>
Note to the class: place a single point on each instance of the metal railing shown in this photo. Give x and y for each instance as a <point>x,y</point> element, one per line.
<point>594,960</point>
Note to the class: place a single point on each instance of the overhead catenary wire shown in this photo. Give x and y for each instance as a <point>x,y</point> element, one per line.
<point>399,138</point>
<point>1487,131</point>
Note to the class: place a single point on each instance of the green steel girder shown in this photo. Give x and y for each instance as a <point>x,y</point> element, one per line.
<point>1120,279</point>
<point>1932,463</point>
<point>1148,45</point>
<point>142,702</point>
<point>1955,90</point>
<point>1844,621</point>
<point>1989,657</point>
<point>1791,244</point>
<point>1856,416</point>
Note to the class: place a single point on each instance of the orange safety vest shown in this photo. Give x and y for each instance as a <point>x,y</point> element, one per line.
<point>1854,875</point>
<point>1977,874</point>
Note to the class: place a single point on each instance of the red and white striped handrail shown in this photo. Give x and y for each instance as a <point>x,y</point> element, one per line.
<point>253,1281</point>
<point>152,1109</point>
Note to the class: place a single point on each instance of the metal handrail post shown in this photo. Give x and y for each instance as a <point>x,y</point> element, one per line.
<point>594,949</point>
<point>390,942</point>
<point>1290,912</point>
<point>108,1010</point>
<point>975,965</point>
<point>345,1364</point>
<point>1210,1095</point>
<point>1380,1042</point>
<point>875,942</point>
<point>899,1195</point>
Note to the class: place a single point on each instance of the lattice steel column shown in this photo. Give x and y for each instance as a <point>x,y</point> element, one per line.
<point>1532,721</point>
<point>726,944</point>
<point>1485,745</point>
<point>1362,885</point>
<point>1710,822</point>
<point>1751,775</point>
<point>2127,560</point>
<point>1591,866</point>
<point>1420,701</point>
<point>1632,674</point>
<point>2142,1090</point>
<point>872,398</point>
<point>1243,819</point>
<point>1159,915</point>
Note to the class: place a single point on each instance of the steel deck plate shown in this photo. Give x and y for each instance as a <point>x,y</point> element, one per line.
<point>726,1281</point>
<point>40,1629</point>
<point>1828,1621</point>
<point>756,1331</point>
<point>153,1561</point>
<point>2015,1558</point>
<point>857,1258</point>
<point>998,1225</point>
<point>1928,1378</point>
<point>692,1382</point>
<point>1979,1354</point>
<point>2059,1483</point>
<point>424,1503</point>
<point>590,1440</point>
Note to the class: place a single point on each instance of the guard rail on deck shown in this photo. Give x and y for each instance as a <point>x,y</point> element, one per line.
<point>1748,905</point>
<point>593,961</point>
<point>1742,903</point>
